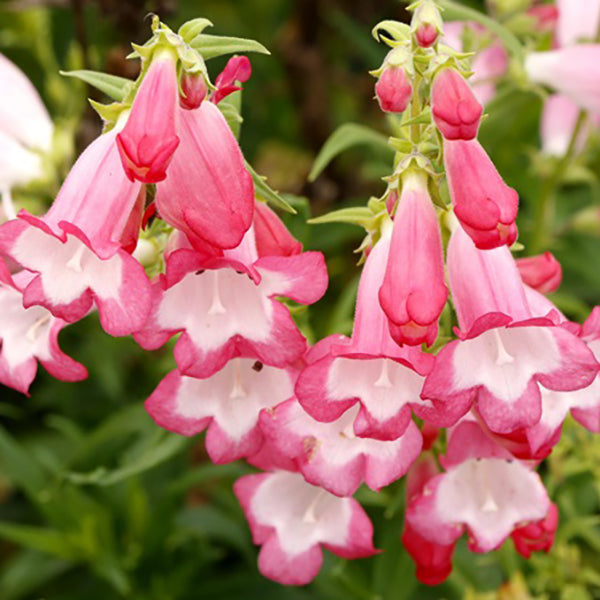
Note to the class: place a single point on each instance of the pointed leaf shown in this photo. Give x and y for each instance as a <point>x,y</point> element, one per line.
<point>113,86</point>
<point>346,136</point>
<point>264,192</point>
<point>41,539</point>
<point>232,116</point>
<point>357,215</point>
<point>188,31</point>
<point>210,46</point>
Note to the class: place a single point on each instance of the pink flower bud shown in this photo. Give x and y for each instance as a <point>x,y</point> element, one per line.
<point>537,536</point>
<point>455,109</point>
<point>543,273</point>
<point>485,206</point>
<point>272,236</point>
<point>393,89</point>
<point>426,35</point>
<point>194,90</point>
<point>149,138</point>
<point>413,293</point>
<point>238,68</point>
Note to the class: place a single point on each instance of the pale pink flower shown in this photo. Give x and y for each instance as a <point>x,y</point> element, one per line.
<point>292,519</point>
<point>577,21</point>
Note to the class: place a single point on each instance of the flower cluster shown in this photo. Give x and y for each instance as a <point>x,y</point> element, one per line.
<point>166,187</point>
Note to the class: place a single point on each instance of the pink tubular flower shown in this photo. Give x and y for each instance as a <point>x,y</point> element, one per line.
<point>433,561</point>
<point>149,138</point>
<point>80,247</point>
<point>455,109</point>
<point>28,335</point>
<point>488,65</point>
<point>537,536</point>
<point>485,206</point>
<point>227,404</point>
<point>393,89</point>
<point>370,369</point>
<point>331,456</point>
<point>194,90</point>
<point>543,272</point>
<point>291,519</point>
<point>571,71</point>
<point>577,21</point>
<point>272,236</point>
<point>209,194</point>
<point>413,293</point>
<point>559,117</point>
<point>238,68</point>
<point>504,352</point>
<point>484,489</point>
<point>226,307</point>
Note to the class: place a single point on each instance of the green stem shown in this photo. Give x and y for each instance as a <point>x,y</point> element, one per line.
<point>544,209</point>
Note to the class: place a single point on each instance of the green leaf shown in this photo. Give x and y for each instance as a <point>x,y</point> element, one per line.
<point>188,31</point>
<point>41,539</point>
<point>453,11</point>
<point>113,86</point>
<point>232,116</point>
<point>356,215</point>
<point>344,137</point>
<point>168,447</point>
<point>264,192</point>
<point>211,46</point>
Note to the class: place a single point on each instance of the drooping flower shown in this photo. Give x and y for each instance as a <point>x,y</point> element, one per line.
<point>209,194</point>
<point>485,206</point>
<point>571,71</point>
<point>504,352</point>
<point>369,369</point>
<point>79,248</point>
<point>292,519</point>
<point>226,307</point>
<point>454,107</point>
<point>393,89</point>
<point>331,456</point>
<point>29,335</point>
<point>484,490</point>
<point>413,293</point>
<point>149,139</point>
<point>228,404</point>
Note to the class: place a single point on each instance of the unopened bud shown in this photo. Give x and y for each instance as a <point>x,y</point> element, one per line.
<point>194,89</point>
<point>426,23</point>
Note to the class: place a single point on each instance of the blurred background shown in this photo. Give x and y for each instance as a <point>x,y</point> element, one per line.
<point>97,502</point>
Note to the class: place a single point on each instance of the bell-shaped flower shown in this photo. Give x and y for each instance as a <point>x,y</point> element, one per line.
<point>292,519</point>
<point>29,335</point>
<point>369,369</point>
<point>433,561</point>
<point>484,490</point>
<point>577,21</point>
<point>273,238</point>
<point>393,89</point>
<point>542,272</point>
<point>489,64</point>
<point>537,536</point>
<point>226,404</point>
<point>149,139</point>
<point>455,109</point>
<point>209,194</point>
<point>571,71</point>
<point>413,293</point>
<point>485,206</point>
<point>226,307</point>
<point>79,248</point>
<point>23,115</point>
<point>504,352</point>
<point>331,456</point>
